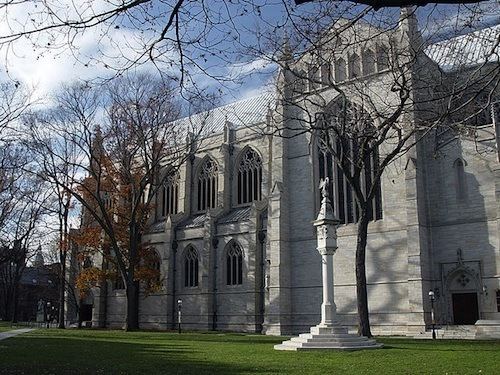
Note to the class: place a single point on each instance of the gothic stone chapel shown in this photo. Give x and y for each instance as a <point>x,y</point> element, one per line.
<point>233,227</point>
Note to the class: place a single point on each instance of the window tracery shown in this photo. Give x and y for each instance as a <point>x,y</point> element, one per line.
<point>190,268</point>
<point>207,185</point>
<point>170,195</point>
<point>353,121</point>
<point>234,264</point>
<point>249,177</point>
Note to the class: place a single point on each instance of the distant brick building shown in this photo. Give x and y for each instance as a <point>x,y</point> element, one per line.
<point>37,283</point>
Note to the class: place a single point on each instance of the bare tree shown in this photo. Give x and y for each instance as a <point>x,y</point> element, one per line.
<point>115,167</point>
<point>186,41</point>
<point>21,233</point>
<point>14,101</point>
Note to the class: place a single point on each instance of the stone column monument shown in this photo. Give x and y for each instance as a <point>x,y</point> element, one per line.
<point>328,334</point>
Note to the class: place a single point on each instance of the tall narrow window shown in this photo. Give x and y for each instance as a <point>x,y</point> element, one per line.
<point>118,283</point>
<point>190,268</point>
<point>340,70</point>
<point>313,78</point>
<point>342,195</point>
<point>354,66</point>
<point>460,180</point>
<point>155,265</point>
<point>299,80</point>
<point>170,195</point>
<point>107,199</point>
<point>326,74</point>
<point>207,185</point>
<point>249,177</point>
<point>234,264</point>
<point>382,58</point>
<point>368,62</point>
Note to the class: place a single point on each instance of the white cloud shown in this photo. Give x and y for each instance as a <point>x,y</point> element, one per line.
<point>259,65</point>
<point>95,53</point>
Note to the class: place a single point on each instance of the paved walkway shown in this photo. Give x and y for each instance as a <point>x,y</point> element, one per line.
<point>15,332</point>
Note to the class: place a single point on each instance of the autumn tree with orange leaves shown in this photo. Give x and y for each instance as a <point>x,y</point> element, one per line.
<point>123,136</point>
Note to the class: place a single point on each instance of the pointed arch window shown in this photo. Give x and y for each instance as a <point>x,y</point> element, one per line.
<point>234,264</point>
<point>207,185</point>
<point>326,74</point>
<point>299,82</point>
<point>190,268</point>
<point>249,177</point>
<point>340,70</point>
<point>342,196</point>
<point>382,58</point>
<point>368,62</point>
<point>314,77</point>
<point>155,265</point>
<point>118,283</point>
<point>170,195</point>
<point>354,66</point>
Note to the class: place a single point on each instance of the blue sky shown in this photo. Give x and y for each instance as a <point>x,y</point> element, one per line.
<point>240,71</point>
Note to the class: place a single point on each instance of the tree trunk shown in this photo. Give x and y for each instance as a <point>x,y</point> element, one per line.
<point>15,298</point>
<point>63,251</point>
<point>132,322</point>
<point>79,311</point>
<point>361,289</point>
<point>62,289</point>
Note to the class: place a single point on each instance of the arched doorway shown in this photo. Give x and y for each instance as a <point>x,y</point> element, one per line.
<point>463,292</point>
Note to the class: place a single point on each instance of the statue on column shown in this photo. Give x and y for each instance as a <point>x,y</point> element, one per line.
<point>324,186</point>
<point>40,311</point>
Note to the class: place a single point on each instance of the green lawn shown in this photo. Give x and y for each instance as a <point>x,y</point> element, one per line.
<point>109,352</point>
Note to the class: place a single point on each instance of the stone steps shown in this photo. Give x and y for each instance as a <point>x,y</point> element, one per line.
<point>332,338</point>
<point>338,345</point>
<point>307,337</point>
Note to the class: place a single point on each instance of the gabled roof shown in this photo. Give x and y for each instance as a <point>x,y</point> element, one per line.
<point>467,50</point>
<point>243,113</point>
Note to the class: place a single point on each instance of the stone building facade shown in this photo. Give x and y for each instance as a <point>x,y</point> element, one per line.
<point>234,234</point>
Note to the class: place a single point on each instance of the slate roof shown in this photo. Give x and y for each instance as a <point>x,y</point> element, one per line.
<point>246,112</point>
<point>157,227</point>
<point>37,276</point>
<point>236,215</point>
<point>194,221</point>
<point>467,50</point>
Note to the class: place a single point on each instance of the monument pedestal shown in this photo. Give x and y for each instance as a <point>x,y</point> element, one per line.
<point>328,334</point>
<point>333,338</point>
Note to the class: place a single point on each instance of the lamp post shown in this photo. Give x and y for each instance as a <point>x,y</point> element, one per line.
<point>179,307</point>
<point>432,298</point>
